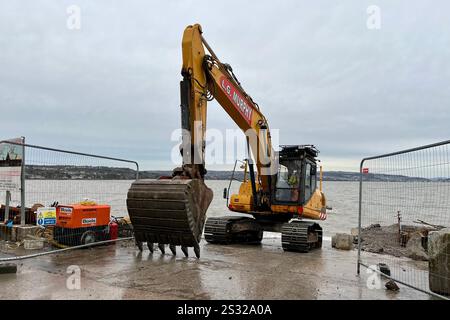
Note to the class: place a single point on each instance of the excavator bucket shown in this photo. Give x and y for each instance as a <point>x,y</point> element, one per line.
<point>169,211</point>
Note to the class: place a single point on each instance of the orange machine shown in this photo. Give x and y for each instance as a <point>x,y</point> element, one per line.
<point>82,216</point>
<point>82,224</point>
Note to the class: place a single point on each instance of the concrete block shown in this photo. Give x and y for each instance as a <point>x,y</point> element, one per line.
<point>2,231</point>
<point>33,244</point>
<point>342,241</point>
<point>17,233</point>
<point>354,233</point>
<point>414,247</point>
<point>13,234</point>
<point>384,268</point>
<point>8,268</point>
<point>439,261</point>
<point>8,233</point>
<point>22,232</point>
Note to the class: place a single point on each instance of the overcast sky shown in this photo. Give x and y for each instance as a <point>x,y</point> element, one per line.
<point>319,74</point>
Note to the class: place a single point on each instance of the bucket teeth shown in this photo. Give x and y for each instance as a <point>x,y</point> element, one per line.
<point>173,249</point>
<point>150,247</point>
<point>139,245</point>
<point>197,251</point>
<point>169,211</point>
<point>185,251</point>
<point>162,248</point>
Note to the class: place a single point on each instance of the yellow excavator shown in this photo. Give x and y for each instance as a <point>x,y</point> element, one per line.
<point>278,197</point>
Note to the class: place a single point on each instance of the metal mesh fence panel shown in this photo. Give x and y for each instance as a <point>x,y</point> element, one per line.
<point>86,194</point>
<point>404,210</point>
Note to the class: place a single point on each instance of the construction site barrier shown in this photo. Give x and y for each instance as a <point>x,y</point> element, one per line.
<point>61,199</point>
<point>404,210</point>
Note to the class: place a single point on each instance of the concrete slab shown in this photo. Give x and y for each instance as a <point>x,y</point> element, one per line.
<point>33,244</point>
<point>17,233</point>
<point>223,272</point>
<point>8,268</point>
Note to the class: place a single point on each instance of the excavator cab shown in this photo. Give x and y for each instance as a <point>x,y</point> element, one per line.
<point>296,179</point>
<point>294,195</point>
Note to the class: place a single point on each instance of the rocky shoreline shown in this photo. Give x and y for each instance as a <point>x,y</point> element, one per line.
<point>387,240</point>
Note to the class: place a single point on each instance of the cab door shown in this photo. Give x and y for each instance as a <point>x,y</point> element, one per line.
<point>309,181</point>
<point>288,183</point>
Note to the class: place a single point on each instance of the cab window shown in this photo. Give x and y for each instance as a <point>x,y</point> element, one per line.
<point>288,182</point>
<point>310,180</point>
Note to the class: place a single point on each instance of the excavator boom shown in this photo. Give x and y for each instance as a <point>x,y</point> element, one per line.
<point>172,211</point>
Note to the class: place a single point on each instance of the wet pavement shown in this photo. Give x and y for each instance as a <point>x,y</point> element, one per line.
<point>223,272</point>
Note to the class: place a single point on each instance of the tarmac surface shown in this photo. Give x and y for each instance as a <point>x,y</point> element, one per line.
<point>263,271</point>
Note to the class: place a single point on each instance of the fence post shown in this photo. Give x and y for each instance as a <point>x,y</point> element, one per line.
<point>22,185</point>
<point>137,170</point>
<point>359,215</point>
<point>8,198</point>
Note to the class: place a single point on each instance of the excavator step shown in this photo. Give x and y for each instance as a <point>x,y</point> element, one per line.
<point>301,236</point>
<point>168,211</point>
<point>232,229</point>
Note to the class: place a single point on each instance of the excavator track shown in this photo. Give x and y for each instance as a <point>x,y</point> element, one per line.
<point>232,229</point>
<point>301,236</point>
<point>168,212</point>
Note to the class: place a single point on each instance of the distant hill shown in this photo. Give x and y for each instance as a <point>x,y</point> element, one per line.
<point>35,172</point>
<point>354,176</point>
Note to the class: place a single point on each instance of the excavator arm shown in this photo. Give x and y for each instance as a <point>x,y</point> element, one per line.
<point>172,210</point>
<point>205,77</point>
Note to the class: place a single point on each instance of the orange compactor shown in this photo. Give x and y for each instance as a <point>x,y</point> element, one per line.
<point>83,224</point>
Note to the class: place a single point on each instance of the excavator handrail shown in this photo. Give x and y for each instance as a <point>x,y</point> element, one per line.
<point>233,179</point>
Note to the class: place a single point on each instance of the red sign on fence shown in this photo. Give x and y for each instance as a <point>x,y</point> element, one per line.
<point>365,170</point>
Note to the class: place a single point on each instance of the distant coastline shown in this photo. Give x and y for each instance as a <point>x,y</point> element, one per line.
<point>57,172</point>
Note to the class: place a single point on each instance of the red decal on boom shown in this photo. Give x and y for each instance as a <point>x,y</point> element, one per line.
<point>239,102</point>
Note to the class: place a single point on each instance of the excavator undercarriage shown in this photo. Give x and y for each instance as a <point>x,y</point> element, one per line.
<point>301,236</point>
<point>296,235</point>
<point>233,229</point>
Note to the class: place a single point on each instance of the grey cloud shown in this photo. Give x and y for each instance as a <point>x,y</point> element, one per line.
<point>317,72</point>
